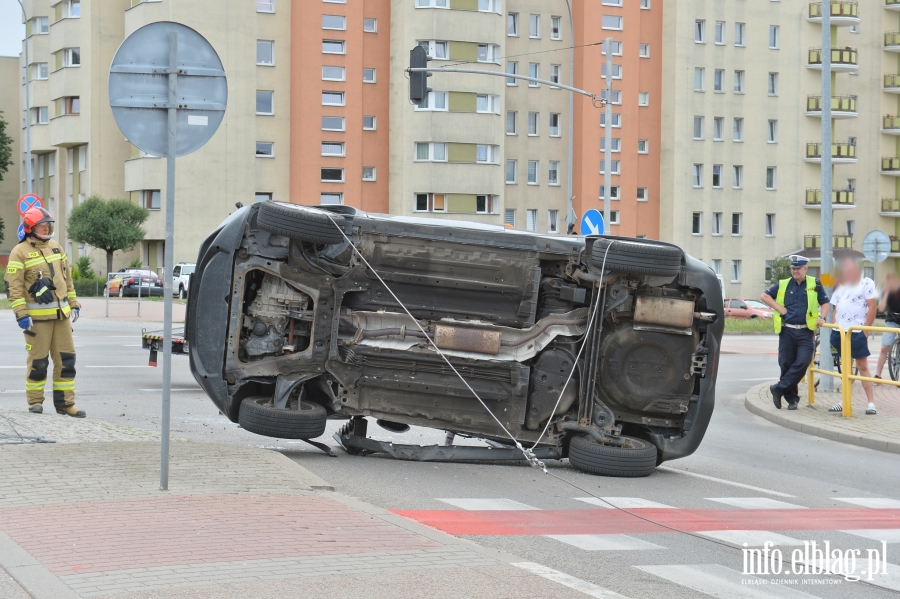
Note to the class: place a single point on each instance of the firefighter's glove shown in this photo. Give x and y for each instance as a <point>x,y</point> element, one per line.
<point>25,323</point>
<point>42,290</point>
<point>76,313</point>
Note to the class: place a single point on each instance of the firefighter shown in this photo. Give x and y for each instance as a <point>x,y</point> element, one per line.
<point>39,285</point>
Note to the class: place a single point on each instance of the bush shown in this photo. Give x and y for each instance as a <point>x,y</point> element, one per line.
<point>136,263</point>
<point>85,270</point>
<point>89,287</point>
<point>75,274</point>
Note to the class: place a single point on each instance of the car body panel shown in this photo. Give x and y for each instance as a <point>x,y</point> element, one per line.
<point>744,308</point>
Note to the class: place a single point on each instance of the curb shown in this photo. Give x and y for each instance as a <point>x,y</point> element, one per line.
<point>831,433</point>
<point>316,483</point>
<point>741,333</point>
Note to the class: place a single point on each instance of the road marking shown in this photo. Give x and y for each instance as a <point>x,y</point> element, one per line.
<point>605,542</point>
<point>723,583</point>
<point>138,345</point>
<point>756,503</point>
<point>198,389</point>
<point>886,580</point>
<point>752,538</point>
<point>12,391</point>
<point>475,504</point>
<point>877,503</point>
<point>12,366</point>
<point>625,503</point>
<point>725,482</point>
<point>125,366</point>
<point>888,535</point>
<point>588,588</point>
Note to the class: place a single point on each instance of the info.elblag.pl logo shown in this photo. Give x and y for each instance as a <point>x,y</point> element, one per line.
<point>816,560</point>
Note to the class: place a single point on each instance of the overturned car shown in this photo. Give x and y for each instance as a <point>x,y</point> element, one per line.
<point>600,349</point>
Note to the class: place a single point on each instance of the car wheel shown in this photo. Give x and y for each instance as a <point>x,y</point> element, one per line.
<point>300,222</point>
<point>637,257</point>
<point>181,293</point>
<point>635,458</point>
<point>257,415</point>
<point>754,317</point>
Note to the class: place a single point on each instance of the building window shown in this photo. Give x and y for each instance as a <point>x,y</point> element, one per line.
<point>72,57</point>
<point>368,75</point>
<point>509,217</point>
<point>332,123</point>
<point>39,71</point>
<point>612,2</point>
<point>512,24</point>
<point>740,34</point>
<point>554,74</point>
<point>431,152</point>
<point>770,225</point>
<point>534,26</point>
<point>436,49</point>
<point>511,172</point>
<point>643,146</point>
<point>717,176</point>
<point>150,199</point>
<point>615,144</point>
<point>739,82</point>
<point>531,219</point>
<point>772,132</point>
<point>612,22</point>
<point>771,177</point>
<point>430,202</point>
<point>851,228</point>
<point>616,71</point>
<point>644,51</point>
<point>616,120</point>
<point>697,223</point>
<point>643,98</point>
<point>773,84</point>
<point>336,22</point>
<point>485,154</point>
<point>40,26</point>
<point>553,173</point>
<point>368,173</point>
<point>265,149</point>
<point>699,79</point>
<point>737,177</point>
<point>614,217</point>
<point>738,130</point>
<point>614,170</point>
<point>718,128</point>
<point>333,47</point>
<point>645,4</point>
<point>487,104</point>
<point>433,101</point>
<point>333,74</point>
<point>532,123</point>
<point>642,195</point>
<point>331,199</point>
<point>717,266</point>
<point>332,148</point>
<point>697,180</point>
<point>774,36</point>
<point>700,32</point>
<point>553,221</point>
<point>332,98</point>
<point>432,4</point>
<point>511,122</point>
<point>717,223</point>
<point>72,105</point>
<point>368,123</point>
<point>488,53</point>
<point>735,271</point>
<point>265,52</point>
<point>39,115</point>
<point>72,9</point>
<point>736,221</point>
<point>265,102</point>
<point>265,5</point>
<point>532,172</point>
<point>332,175</point>
<point>616,48</point>
<point>512,67</point>
<point>489,6</point>
<point>615,97</point>
<point>554,124</point>
<point>719,80</point>
<point>613,192</point>
<point>698,127</point>
<point>370,25</point>
<point>720,32</point>
<point>534,70</point>
<point>556,28</point>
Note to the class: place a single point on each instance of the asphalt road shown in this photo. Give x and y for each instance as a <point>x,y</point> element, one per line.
<point>742,456</point>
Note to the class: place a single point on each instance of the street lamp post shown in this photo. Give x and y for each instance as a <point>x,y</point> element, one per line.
<point>570,211</point>
<point>27,107</point>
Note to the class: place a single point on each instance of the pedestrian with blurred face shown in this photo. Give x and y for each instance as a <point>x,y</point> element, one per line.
<point>890,305</point>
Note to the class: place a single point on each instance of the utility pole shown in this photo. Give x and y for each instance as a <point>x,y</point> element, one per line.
<point>570,209</point>
<point>28,176</point>
<point>607,143</point>
<point>826,261</point>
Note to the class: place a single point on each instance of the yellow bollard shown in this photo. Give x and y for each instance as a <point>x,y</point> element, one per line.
<point>811,382</point>
<point>846,369</point>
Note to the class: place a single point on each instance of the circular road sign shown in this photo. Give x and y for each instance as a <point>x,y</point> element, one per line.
<point>592,223</point>
<point>139,88</point>
<point>28,201</point>
<point>877,246</point>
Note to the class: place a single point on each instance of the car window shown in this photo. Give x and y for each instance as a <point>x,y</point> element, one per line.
<point>738,304</point>
<point>757,305</point>
<point>188,270</point>
<point>731,303</point>
<point>177,271</point>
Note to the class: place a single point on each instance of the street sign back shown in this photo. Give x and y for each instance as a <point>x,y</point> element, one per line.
<point>27,201</point>
<point>877,246</point>
<point>592,223</point>
<point>139,88</point>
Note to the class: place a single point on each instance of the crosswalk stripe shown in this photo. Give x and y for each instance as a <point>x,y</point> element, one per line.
<point>467,503</point>
<point>888,535</point>
<point>880,503</point>
<point>755,503</point>
<point>753,538</point>
<point>723,583</point>
<point>886,580</point>
<point>588,588</point>
<point>605,542</point>
<point>621,502</point>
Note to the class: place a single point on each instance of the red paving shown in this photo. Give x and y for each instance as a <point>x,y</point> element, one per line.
<point>101,536</point>
<point>609,521</point>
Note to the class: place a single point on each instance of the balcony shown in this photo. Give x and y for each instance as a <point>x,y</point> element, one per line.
<point>891,84</point>
<point>841,152</point>
<point>814,242</point>
<point>892,5</point>
<point>890,166</point>
<point>892,41</point>
<point>843,199</point>
<point>842,107</point>
<point>843,13</point>
<point>890,207</point>
<point>843,60</point>
<point>895,247</point>
<point>890,124</point>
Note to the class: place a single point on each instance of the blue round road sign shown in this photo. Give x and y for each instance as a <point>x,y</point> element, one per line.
<point>592,223</point>
<point>28,201</point>
<point>21,232</point>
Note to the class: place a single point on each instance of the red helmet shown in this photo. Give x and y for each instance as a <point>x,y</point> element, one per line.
<point>36,216</point>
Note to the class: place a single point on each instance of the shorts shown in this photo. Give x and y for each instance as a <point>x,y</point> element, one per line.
<point>887,339</point>
<point>859,345</point>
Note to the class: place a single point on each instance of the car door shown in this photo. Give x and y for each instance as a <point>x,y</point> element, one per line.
<point>727,308</point>
<point>739,309</point>
<point>176,272</point>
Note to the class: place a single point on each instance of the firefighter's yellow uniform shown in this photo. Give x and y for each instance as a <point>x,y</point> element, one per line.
<point>29,261</point>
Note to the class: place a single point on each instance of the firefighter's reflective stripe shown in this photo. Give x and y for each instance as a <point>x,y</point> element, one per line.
<point>12,267</point>
<point>41,292</point>
<point>44,310</point>
<point>37,385</point>
<point>34,262</point>
<point>70,295</point>
<point>17,303</point>
<point>64,386</point>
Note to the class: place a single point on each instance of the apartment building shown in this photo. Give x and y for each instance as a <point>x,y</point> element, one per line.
<point>9,186</point>
<point>742,153</point>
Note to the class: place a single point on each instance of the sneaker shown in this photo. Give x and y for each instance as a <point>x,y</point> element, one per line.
<point>70,411</point>
<point>36,409</point>
<point>871,409</point>
<point>838,407</point>
<point>792,405</point>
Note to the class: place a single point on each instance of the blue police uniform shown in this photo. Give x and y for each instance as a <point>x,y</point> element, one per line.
<point>796,342</point>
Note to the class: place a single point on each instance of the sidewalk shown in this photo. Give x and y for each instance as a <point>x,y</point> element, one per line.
<point>126,309</point>
<point>881,432</point>
<point>84,518</point>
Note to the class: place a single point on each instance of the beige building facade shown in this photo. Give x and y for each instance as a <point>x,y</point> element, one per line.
<point>10,185</point>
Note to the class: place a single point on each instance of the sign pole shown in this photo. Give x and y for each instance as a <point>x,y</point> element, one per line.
<point>826,257</point>
<point>169,262</point>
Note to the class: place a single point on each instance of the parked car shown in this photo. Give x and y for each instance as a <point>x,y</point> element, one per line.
<point>602,349</point>
<point>746,308</point>
<point>126,281</point>
<point>181,278</point>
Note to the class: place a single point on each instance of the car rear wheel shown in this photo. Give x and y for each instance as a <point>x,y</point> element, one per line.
<point>636,257</point>
<point>258,415</point>
<point>635,458</point>
<point>301,222</point>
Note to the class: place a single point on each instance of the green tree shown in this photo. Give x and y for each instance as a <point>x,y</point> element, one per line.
<point>85,269</point>
<point>5,149</point>
<point>110,225</point>
<point>778,269</point>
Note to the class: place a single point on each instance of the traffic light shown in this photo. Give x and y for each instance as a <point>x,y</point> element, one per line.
<point>418,90</point>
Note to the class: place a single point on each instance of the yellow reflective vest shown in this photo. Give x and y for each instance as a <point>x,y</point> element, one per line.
<point>812,303</point>
<point>28,262</point>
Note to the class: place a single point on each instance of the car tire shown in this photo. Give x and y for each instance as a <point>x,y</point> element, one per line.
<point>258,416</point>
<point>637,458</point>
<point>181,292</point>
<point>300,222</point>
<point>637,257</point>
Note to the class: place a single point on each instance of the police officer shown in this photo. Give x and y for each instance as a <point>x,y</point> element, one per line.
<point>40,289</point>
<point>795,302</point>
